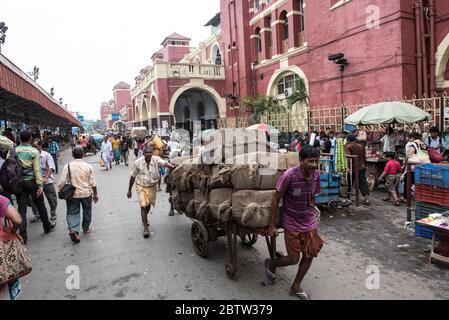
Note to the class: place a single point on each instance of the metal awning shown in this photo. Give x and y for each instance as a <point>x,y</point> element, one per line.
<point>23,99</point>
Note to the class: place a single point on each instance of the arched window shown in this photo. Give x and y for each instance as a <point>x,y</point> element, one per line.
<point>215,57</point>
<point>197,60</point>
<point>258,41</point>
<point>285,26</point>
<point>287,83</point>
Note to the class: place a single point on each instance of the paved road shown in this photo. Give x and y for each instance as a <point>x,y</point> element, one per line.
<point>115,262</point>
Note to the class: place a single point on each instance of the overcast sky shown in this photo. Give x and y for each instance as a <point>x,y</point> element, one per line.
<point>84,47</point>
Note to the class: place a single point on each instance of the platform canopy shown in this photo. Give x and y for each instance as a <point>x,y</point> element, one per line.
<point>22,99</point>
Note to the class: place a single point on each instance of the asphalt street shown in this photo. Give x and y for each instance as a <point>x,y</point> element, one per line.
<point>116,262</point>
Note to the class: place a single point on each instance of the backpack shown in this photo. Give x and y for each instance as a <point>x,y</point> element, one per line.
<point>11,174</point>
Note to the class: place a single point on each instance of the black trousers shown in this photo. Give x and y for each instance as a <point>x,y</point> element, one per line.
<point>29,189</point>
<point>363,183</point>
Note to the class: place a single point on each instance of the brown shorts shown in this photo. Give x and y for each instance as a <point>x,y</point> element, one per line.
<point>392,182</point>
<point>307,243</point>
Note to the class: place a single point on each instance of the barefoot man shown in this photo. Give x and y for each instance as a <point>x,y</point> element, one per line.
<point>297,188</point>
<point>145,173</point>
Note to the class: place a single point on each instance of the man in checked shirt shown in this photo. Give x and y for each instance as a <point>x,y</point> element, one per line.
<point>297,188</point>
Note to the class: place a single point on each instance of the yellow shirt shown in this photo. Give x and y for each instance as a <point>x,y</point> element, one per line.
<point>157,143</point>
<point>115,144</point>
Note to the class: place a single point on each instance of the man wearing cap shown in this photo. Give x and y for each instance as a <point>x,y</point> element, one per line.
<point>145,173</point>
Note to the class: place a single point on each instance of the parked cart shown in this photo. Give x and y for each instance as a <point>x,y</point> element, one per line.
<point>331,187</point>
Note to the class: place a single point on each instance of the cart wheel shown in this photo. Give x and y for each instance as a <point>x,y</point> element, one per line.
<point>200,239</point>
<point>249,239</point>
<point>332,206</point>
<point>230,270</point>
<point>279,255</point>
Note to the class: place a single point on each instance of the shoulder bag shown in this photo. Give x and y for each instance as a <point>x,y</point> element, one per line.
<point>68,191</point>
<point>14,259</point>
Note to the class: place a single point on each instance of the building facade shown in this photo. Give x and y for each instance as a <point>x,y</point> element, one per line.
<point>181,86</point>
<point>392,48</point>
<point>120,105</point>
<point>347,52</point>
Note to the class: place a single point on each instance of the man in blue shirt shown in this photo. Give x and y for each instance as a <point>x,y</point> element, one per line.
<point>53,149</point>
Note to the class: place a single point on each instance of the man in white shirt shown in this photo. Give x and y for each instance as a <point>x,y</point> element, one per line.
<point>145,173</point>
<point>389,141</point>
<point>48,169</point>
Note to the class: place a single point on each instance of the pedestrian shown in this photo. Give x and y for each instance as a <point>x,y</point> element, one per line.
<point>333,140</point>
<point>389,141</point>
<point>32,184</point>
<point>145,173</point>
<point>390,174</point>
<point>53,149</point>
<point>8,212</point>
<point>125,145</point>
<point>6,145</point>
<point>83,143</point>
<point>356,149</point>
<point>81,176</point>
<point>9,135</point>
<point>48,169</point>
<point>327,144</point>
<point>116,149</point>
<point>106,153</point>
<point>297,188</point>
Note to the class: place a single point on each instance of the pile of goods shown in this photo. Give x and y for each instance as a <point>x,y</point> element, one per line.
<point>219,185</point>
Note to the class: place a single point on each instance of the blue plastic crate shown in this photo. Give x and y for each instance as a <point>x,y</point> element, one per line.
<point>424,209</point>
<point>432,175</point>
<point>423,232</point>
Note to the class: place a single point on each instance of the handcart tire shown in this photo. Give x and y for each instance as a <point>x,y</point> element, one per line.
<point>249,239</point>
<point>230,270</point>
<point>332,206</point>
<point>200,239</point>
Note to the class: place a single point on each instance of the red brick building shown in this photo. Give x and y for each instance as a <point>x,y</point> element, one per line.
<point>392,49</point>
<point>121,104</point>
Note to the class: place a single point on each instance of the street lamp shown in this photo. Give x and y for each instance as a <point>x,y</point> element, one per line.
<point>3,29</point>
<point>339,59</point>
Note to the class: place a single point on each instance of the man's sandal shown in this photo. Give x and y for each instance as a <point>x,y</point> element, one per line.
<point>300,295</point>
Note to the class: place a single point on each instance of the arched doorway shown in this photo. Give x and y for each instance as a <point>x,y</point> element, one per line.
<point>144,115</point>
<point>195,110</point>
<point>153,112</point>
<point>281,85</point>
<point>137,119</point>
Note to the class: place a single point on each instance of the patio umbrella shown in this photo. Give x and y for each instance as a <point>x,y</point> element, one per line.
<point>388,112</point>
<point>272,131</point>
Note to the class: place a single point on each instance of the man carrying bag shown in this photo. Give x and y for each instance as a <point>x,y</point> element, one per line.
<point>79,188</point>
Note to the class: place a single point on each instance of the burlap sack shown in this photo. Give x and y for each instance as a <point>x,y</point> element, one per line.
<point>178,160</point>
<point>221,177</point>
<point>220,203</point>
<point>252,208</point>
<point>292,159</point>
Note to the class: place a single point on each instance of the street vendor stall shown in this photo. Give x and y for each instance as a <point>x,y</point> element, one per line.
<point>385,113</point>
<point>439,224</point>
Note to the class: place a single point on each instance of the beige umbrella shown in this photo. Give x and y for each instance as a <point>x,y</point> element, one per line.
<point>388,112</point>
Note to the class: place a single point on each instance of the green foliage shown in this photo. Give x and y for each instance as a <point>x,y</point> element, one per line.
<point>261,105</point>
<point>300,95</point>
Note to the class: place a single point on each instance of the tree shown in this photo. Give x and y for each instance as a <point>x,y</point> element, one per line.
<point>261,105</point>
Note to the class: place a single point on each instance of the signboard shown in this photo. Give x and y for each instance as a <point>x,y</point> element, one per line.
<point>80,118</point>
<point>115,117</point>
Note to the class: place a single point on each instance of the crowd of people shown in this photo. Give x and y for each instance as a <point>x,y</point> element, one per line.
<point>37,158</point>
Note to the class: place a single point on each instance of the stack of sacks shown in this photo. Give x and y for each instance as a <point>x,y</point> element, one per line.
<point>215,187</point>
